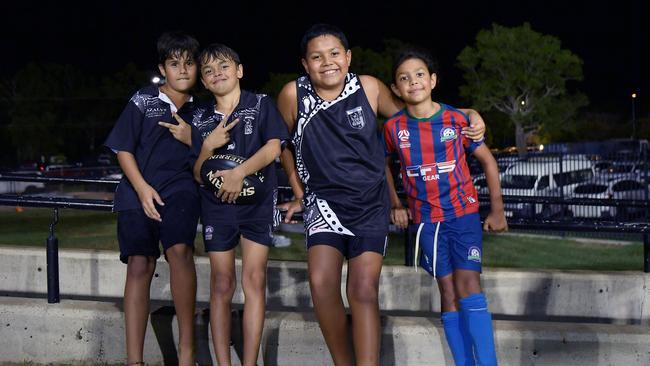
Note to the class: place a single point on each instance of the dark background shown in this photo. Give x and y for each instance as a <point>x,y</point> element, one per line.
<point>102,37</point>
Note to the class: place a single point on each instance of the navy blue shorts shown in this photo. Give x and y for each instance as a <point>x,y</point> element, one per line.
<point>450,245</point>
<point>219,237</point>
<point>139,235</point>
<point>350,246</point>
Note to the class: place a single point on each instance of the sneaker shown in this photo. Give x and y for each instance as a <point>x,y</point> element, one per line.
<point>281,241</point>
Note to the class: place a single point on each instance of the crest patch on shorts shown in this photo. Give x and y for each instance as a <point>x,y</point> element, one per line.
<point>208,232</point>
<point>474,254</point>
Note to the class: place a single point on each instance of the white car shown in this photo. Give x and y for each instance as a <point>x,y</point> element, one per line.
<point>18,187</point>
<point>618,189</point>
<point>542,178</point>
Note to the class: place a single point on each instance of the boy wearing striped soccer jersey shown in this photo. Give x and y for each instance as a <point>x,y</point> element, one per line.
<point>443,203</point>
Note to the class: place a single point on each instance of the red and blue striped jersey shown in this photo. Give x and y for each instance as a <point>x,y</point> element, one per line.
<point>433,164</point>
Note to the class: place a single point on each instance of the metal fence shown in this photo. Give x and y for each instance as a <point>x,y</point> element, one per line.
<point>551,192</point>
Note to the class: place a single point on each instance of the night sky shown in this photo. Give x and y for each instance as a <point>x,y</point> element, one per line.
<point>101,37</point>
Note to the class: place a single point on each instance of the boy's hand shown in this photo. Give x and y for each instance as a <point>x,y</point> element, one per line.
<point>181,132</point>
<point>233,181</point>
<point>147,196</point>
<point>220,135</point>
<point>476,129</point>
<point>495,222</point>
<point>291,207</point>
<point>400,217</point>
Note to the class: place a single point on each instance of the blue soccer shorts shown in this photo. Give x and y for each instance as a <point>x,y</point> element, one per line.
<point>446,246</point>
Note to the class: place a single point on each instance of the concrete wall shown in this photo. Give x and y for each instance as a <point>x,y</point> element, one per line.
<point>619,297</point>
<point>90,333</point>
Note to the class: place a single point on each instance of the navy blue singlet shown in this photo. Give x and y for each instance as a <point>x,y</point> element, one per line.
<point>340,160</point>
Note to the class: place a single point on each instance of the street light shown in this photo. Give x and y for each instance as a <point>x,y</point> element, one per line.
<point>155,80</point>
<point>633,115</point>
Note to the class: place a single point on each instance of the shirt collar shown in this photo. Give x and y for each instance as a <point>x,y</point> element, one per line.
<point>162,96</point>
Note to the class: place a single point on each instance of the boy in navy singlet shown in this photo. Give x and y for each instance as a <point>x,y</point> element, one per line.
<point>443,203</point>
<point>157,201</point>
<point>339,176</point>
<point>241,123</point>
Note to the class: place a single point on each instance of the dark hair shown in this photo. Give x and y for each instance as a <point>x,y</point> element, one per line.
<point>415,53</point>
<point>218,51</point>
<point>175,44</point>
<point>321,29</point>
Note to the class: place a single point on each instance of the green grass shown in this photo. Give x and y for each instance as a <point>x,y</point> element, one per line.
<point>97,230</point>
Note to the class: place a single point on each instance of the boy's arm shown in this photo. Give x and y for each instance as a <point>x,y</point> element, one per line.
<point>288,108</point>
<point>145,192</point>
<point>216,139</point>
<point>476,128</point>
<point>496,219</point>
<point>289,166</point>
<point>399,214</point>
<point>382,100</point>
<point>233,179</point>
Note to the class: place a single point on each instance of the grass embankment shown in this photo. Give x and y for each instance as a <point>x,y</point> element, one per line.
<point>97,230</point>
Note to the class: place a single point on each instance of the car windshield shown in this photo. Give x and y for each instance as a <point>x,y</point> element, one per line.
<point>590,189</point>
<point>518,181</point>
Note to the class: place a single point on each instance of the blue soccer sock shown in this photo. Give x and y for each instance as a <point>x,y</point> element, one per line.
<point>458,339</point>
<point>479,325</point>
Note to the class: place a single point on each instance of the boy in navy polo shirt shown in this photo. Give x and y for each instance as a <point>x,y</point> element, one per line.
<point>241,123</point>
<point>443,203</point>
<point>157,200</point>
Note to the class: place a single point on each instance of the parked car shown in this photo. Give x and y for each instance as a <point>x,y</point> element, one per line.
<point>618,189</point>
<point>543,179</point>
<point>18,187</point>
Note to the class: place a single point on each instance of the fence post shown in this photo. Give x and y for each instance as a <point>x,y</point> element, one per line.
<point>646,237</point>
<point>408,248</point>
<point>53,262</point>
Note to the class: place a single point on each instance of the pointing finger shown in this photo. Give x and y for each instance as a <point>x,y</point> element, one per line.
<point>165,124</point>
<point>232,124</point>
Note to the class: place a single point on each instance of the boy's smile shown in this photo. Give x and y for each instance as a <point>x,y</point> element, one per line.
<point>413,82</point>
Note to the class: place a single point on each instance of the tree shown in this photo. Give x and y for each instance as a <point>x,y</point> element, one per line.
<point>522,74</point>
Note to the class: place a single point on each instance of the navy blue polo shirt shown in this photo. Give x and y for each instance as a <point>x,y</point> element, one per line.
<point>259,122</point>
<point>162,160</point>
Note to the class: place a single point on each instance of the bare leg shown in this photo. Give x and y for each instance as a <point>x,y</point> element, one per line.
<point>325,263</point>
<point>222,289</point>
<point>139,272</point>
<point>253,280</point>
<point>466,283</point>
<point>182,278</point>
<point>448,299</point>
<point>363,295</point>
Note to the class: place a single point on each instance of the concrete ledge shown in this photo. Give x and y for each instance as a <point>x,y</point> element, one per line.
<point>90,333</point>
<point>619,297</point>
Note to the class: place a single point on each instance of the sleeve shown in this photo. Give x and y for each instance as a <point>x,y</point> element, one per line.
<point>273,126</point>
<point>389,146</point>
<point>469,144</point>
<point>125,135</point>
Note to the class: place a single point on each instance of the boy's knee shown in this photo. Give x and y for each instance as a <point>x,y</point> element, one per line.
<point>180,253</point>
<point>365,292</point>
<point>254,281</point>
<point>323,285</point>
<point>140,267</point>
<point>222,285</point>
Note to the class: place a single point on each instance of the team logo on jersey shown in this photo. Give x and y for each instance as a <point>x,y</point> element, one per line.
<point>248,125</point>
<point>355,117</point>
<point>430,171</point>
<point>471,199</point>
<point>208,232</point>
<point>425,171</point>
<point>447,134</point>
<point>474,254</point>
<point>403,136</point>
<point>231,146</point>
